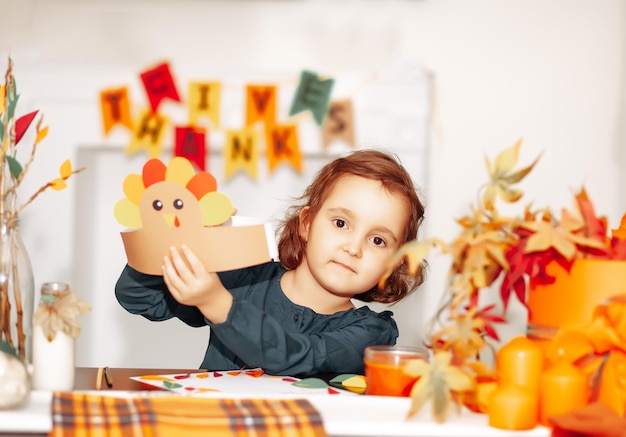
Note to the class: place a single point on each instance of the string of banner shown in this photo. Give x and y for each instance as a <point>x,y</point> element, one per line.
<point>241,148</point>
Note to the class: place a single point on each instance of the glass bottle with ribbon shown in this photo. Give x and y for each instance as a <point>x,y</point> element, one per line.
<point>16,288</point>
<point>54,333</point>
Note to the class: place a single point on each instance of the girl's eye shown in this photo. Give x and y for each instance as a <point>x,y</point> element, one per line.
<point>379,242</point>
<point>158,205</point>
<point>339,223</point>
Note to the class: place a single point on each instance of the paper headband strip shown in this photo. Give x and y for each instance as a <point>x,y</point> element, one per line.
<point>172,205</point>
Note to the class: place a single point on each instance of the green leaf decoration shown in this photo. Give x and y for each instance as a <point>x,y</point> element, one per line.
<point>11,106</point>
<point>7,348</point>
<point>339,379</point>
<point>14,166</point>
<point>171,385</point>
<point>311,383</point>
<point>1,132</point>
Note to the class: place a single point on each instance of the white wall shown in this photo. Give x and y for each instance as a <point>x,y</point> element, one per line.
<point>549,71</point>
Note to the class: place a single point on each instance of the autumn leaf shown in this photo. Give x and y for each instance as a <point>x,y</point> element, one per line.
<point>502,176</point>
<point>59,313</point>
<point>594,227</point>
<point>414,252</point>
<point>65,171</point>
<point>436,382</point>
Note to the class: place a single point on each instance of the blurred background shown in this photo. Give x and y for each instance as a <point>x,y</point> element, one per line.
<point>443,83</point>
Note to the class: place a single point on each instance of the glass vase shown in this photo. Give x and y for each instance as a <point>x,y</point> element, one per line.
<point>17,289</point>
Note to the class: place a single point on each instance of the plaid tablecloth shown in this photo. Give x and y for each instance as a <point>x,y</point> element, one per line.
<point>90,415</point>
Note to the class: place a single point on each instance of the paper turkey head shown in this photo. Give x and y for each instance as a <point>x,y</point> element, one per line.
<point>164,198</point>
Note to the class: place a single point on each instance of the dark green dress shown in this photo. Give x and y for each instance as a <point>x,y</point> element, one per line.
<point>264,328</point>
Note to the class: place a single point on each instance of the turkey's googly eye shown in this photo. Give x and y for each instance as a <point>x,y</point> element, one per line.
<point>157,205</point>
<point>178,204</point>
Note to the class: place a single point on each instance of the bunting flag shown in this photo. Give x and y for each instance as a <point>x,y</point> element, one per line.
<point>260,104</point>
<point>115,108</point>
<point>159,85</point>
<point>191,144</point>
<point>282,145</point>
<point>241,152</point>
<point>339,124</point>
<point>148,133</point>
<point>204,101</point>
<point>312,95</point>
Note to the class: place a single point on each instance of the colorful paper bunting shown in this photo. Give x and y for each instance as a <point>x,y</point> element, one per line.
<point>260,104</point>
<point>312,95</point>
<point>159,85</point>
<point>148,134</point>
<point>241,152</point>
<point>204,101</point>
<point>339,124</point>
<point>282,145</point>
<point>191,144</point>
<point>115,108</point>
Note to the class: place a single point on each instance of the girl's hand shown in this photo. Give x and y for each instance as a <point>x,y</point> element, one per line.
<point>190,284</point>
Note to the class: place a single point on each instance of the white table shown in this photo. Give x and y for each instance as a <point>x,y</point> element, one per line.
<point>347,416</point>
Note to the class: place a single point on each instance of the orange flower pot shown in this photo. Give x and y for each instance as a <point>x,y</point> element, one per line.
<point>571,299</point>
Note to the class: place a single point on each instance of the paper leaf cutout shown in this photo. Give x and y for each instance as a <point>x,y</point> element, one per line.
<point>355,384</point>
<point>59,184</point>
<point>22,124</point>
<point>311,383</point>
<point>171,385</point>
<point>14,166</point>
<point>41,135</point>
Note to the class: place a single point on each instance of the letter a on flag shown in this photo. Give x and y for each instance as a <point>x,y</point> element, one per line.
<point>191,144</point>
<point>148,133</point>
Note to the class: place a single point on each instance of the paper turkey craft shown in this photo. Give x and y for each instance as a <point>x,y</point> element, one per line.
<point>172,205</point>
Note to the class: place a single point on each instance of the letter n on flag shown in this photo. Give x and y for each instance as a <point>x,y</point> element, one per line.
<point>282,146</point>
<point>241,152</point>
<point>191,144</point>
<point>115,108</point>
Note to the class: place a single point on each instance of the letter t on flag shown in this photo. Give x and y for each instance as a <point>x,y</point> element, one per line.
<point>159,85</point>
<point>191,144</point>
<point>313,95</point>
<point>115,108</point>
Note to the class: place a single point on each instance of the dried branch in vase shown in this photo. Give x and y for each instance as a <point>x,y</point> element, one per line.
<point>15,314</point>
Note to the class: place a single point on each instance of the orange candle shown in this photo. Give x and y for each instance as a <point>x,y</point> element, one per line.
<point>512,407</point>
<point>384,373</point>
<point>520,362</point>
<point>562,388</point>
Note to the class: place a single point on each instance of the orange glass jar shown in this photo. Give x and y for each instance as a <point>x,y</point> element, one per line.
<point>384,373</point>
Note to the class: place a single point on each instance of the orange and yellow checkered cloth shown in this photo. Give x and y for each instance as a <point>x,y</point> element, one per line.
<point>89,415</point>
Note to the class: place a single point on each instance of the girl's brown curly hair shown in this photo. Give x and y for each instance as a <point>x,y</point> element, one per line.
<point>370,164</point>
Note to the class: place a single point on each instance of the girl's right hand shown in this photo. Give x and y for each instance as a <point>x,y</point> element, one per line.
<point>190,284</point>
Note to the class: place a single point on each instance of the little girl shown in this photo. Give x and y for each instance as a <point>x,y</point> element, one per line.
<point>296,317</point>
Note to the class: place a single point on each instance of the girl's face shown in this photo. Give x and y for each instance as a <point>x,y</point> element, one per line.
<point>355,234</point>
